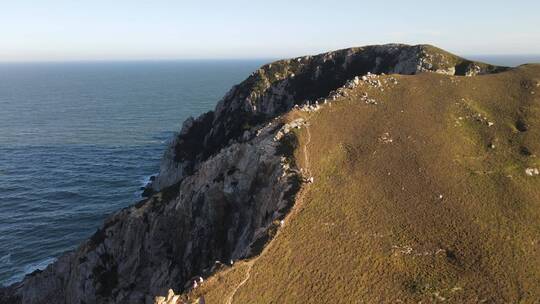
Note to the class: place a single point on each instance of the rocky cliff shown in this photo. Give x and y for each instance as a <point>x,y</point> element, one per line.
<point>275,88</point>
<point>225,181</point>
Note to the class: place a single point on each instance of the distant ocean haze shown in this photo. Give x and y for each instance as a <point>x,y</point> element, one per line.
<point>506,60</point>
<point>78,140</point>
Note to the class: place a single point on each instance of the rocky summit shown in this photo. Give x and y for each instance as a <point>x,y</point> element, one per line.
<point>379,174</point>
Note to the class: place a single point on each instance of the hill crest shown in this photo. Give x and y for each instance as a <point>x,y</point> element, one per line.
<point>229,178</point>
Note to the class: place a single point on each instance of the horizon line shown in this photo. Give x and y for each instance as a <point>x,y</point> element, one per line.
<point>111,60</point>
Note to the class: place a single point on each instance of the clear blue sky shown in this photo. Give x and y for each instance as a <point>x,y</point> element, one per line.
<point>166,29</point>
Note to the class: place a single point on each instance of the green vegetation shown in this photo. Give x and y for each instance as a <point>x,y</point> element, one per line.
<point>422,197</point>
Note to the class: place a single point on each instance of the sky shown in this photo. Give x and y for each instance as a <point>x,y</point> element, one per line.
<point>65,30</point>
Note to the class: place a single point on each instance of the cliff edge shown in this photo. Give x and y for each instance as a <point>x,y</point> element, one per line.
<point>229,178</point>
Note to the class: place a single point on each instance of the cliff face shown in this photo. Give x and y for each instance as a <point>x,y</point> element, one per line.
<point>219,213</point>
<point>426,189</point>
<point>275,88</point>
<point>224,181</point>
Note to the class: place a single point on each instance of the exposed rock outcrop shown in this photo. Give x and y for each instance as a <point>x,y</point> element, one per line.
<point>223,182</point>
<point>221,212</point>
<point>277,87</point>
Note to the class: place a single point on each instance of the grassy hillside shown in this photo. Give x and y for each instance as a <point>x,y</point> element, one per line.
<point>423,196</point>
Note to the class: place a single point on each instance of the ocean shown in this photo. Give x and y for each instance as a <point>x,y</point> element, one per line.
<point>78,140</point>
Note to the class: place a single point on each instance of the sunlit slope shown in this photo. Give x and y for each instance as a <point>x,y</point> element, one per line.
<point>429,195</point>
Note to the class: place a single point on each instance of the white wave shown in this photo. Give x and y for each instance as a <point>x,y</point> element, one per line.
<point>26,269</point>
<point>6,259</point>
<point>144,182</point>
<point>39,265</point>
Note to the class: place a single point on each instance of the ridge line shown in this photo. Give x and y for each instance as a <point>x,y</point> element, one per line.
<point>294,210</point>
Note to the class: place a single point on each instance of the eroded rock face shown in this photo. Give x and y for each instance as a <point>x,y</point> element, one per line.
<point>277,87</point>
<point>220,212</point>
<point>223,183</point>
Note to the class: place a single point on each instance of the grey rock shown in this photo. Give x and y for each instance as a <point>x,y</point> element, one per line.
<point>220,212</point>
<point>272,90</point>
<point>224,180</point>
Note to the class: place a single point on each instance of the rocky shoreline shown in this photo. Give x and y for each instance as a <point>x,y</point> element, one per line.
<point>225,182</point>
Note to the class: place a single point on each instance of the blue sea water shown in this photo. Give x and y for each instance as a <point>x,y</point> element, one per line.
<point>78,140</point>
<point>506,60</point>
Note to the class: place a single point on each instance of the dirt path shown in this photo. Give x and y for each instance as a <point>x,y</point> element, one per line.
<point>295,210</point>
<point>248,275</point>
<point>306,155</point>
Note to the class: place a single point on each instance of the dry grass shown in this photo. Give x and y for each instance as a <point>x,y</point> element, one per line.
<point>411,202</point>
